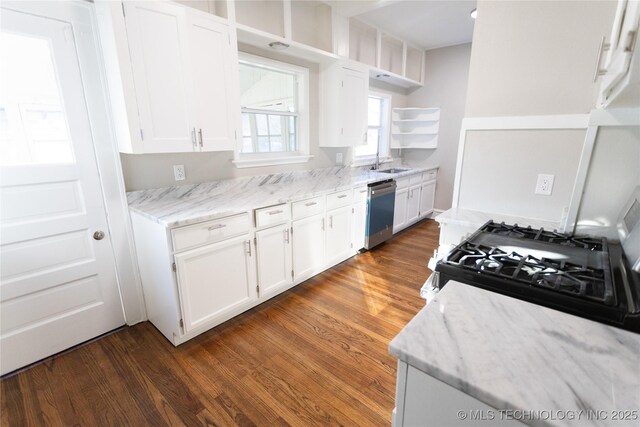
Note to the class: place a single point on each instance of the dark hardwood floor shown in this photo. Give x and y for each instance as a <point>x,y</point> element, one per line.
<point>314,355</point>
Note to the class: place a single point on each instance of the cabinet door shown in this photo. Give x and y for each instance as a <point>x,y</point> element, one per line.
<point>427,194</point>
<point>214,280</point>
<point>359,224</point>
<point>353,105</point>
<point>338,235</point>
<point>413,204</point>
<point>308,246</point>
<point>215,95</point>
<point>273,249</point>
<point>400,210</point>
<point>159,59</point>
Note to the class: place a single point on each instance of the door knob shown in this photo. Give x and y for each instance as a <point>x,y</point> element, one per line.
<point>98,235</point>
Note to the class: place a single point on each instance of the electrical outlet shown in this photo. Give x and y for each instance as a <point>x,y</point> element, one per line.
<point>338,158</point>
<point>178,172</point>
<point>544,185</point>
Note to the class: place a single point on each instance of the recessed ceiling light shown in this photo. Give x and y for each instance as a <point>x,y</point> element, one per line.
<point>278,45</point>
<point>474,13</point>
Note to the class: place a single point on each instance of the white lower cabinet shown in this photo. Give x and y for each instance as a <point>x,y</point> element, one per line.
<point>400,210</point>
<point>359,224</point>
<point>413,204</point>
<point>338,235</point>
<point>308,247</point>
<point>427,194</point>
<point>273,250</point>
<point>215,280</point>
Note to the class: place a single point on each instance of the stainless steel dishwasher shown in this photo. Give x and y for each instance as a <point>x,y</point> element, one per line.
<point>380,205</point>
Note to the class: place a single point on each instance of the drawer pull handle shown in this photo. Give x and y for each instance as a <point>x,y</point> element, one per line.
<point>311,203</point>
<point>342,196</point>
<point>275,212</point>
<point>216,227</point>
<point>363,191</point>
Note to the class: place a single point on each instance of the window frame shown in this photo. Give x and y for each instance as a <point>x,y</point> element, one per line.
<point>384,133</point>
<point>301,155</point>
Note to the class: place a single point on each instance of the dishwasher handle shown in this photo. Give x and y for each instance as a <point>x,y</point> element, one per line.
<point>381,190</point>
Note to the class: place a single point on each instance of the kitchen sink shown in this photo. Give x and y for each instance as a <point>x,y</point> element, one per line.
<point>393,170</point>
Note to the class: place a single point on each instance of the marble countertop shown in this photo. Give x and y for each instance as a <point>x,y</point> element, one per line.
<point>188,204</point>
<point>514,355</point>
<point>471,218</point>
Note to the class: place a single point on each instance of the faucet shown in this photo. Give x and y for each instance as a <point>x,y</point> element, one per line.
<point>376,166</point>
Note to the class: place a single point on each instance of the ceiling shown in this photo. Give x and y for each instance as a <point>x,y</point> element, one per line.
<point>429,24</point>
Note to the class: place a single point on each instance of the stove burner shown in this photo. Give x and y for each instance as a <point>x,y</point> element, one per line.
<point>562,276</point>
<point>541,234</point>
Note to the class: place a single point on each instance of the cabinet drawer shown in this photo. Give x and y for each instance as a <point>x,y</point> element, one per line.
<point>308,207</point>
<point>360,194</point>
<point>415,179</point>
<point>339,199</point>
<point>402,183</point>
<point>210,231</point>
<point>272,215</point>
<point>429,176</point>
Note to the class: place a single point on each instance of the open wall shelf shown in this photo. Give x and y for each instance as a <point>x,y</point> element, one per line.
<point>415,127</point>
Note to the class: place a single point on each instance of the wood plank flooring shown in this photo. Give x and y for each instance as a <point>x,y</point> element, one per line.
<point>314,355</point>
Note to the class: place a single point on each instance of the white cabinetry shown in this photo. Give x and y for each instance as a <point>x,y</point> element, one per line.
<point>400,209</point>
<point>413,204</point>
<point>171,73</point>
<point>427,193</point>
<point>215,280</point>
<point>273,250</point>
<point>415,127</point>
<point>359,224</point>
<point>344,91</point>
<point>414,199</point>
<point>308,247</point>
<point>338,236</point>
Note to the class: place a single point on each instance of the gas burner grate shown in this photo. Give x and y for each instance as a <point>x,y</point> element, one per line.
<point>543,235</point>
<point>561,276</point>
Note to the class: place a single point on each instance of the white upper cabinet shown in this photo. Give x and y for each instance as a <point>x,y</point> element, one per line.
<point>172,77</point>
<point>344,90</point>
<point>158,47</point>
<point>216,104</point>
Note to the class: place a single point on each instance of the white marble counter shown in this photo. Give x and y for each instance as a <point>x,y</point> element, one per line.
<point>189,204</point>
<point>514,355</point>
<point>475,219</point>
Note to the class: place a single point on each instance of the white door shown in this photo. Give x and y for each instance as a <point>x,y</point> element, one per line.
<point>413,204</point>
<point>159,58</point>
<point>353,101</point>
<point>358,230</point>
<point>338,235</point>
<point>308,247</point>
<point>273,249</point>
<point>215,96</point>
<point>214,280</point>
<point>426,198</point>
<point>400,210</point>
<point>58,284</point>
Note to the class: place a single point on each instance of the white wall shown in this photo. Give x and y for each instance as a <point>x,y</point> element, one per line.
<point>536,57</point>
<point>445,86</point>
<point>613,174</point>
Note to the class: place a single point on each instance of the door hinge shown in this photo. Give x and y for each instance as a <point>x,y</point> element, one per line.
<point>173,266</point>
<point>258,290</point>
<point>353,210</point>
<point>292,274</point>
<point>255,241</point>
<point>291,231</point>
<point>229,37</point>
<point>123,14</point>
<point>182,323</point>
<point>235,133</point>
<point>352,246</point>
<point>341,83</point>
<point>341,131</point>
<point>141,135</point>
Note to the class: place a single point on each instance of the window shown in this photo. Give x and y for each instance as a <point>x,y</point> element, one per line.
<point>275,114</point>
<point>378,131</point>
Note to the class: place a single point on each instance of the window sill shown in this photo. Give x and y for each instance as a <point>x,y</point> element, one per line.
<point>272,161</point>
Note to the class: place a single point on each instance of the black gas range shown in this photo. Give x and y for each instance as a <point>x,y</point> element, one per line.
<point>584,276</point>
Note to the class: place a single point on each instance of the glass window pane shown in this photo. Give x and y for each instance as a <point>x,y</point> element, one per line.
<point>267,89</point>
<point>261,124</point>
<point>246,124</point>
<point>275,125</point>
<point>276,144</point>
<point>33,120</point>
<point>371,148</point>
<point>263,144</point>
<point>247,145</point>
<point>375,110</point>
